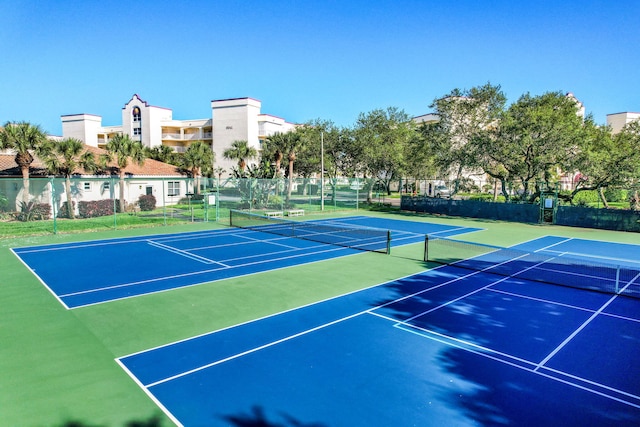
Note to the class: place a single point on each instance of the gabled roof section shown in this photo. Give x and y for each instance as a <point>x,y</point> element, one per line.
<point>146,104</point>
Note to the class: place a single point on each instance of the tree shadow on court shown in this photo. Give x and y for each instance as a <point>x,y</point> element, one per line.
<point>493,389</point>
<point>258,418</point>
<point>502,395</point>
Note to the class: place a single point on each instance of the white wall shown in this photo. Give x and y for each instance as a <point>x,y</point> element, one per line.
<point>84,127</point>
<point>618,120</point>
<point>234,120</point>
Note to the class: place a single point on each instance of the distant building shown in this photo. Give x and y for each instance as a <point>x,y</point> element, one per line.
<point>231,120</point>
<point>618,120</point>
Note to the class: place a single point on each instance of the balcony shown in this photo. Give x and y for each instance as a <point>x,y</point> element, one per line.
<point>186,136</point>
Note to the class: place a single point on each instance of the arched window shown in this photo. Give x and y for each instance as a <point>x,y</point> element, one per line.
<point>136,114</point>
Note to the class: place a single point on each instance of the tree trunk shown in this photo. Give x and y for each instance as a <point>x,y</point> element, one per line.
<point>635,200</point>
<point>604,200</point>
<point>25,183</point>
<point>290,179</point>
<point>70,211</point>
<point>121,191</point>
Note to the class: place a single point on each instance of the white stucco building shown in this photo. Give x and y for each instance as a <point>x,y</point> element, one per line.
<point>618,120</point>
<point>231,120</point>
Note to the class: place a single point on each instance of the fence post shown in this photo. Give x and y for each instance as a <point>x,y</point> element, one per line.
<point>113,192</point>
<point>53,205</point>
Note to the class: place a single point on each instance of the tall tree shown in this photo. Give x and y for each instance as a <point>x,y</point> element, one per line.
<point>241,151</point>
<point>198,158</point>
<point>463,113</point>
<point>64,157</point>
<point>23,138</point>
<point>383,136</point>
<point>535,136</point>
<point>121,149</point>
<point>606,160</point>
<point>288,144</point>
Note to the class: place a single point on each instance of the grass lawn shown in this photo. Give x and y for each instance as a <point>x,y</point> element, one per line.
<point>57,366</point>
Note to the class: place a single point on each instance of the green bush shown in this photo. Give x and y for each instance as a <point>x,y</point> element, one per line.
<point>616,195</point>
<point>4,203</point>
<point>587,197</point>
<point>147,202</point>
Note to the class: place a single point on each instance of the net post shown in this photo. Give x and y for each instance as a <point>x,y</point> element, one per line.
<point>230,217</point>
<point>426,248</point>
<point>617,279</point>
<point>388,242</point>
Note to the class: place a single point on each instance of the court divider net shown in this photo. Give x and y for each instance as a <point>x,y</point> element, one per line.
<point>361,238</point>
<point>552,268</point>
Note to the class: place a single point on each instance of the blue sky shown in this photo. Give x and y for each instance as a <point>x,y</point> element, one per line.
<point>309,59</point>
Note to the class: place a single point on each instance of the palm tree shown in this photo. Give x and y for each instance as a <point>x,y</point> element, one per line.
<point>64,157</point>
<point>121,149</point>
<point>23,138</point>
<point>289,143</point>
<point>219,171</point>
<point>240,151</point>
<point>161,153</point>
<point>198,156</point>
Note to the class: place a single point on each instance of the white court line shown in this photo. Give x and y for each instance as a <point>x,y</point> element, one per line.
<point>581,327</point>
<point>491,354</point>
<point>114,241</point>
<point>253,350</point>
<point>513,294</point>
<point>194,273</point>
<point>601,257</point>
<point>185,253</point>
<point>148,393</point>
<point>40,279</point>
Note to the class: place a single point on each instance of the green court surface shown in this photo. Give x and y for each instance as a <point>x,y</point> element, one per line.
<point>57,365</point>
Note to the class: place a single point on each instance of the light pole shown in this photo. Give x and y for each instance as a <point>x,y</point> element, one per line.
<point>322,171</point>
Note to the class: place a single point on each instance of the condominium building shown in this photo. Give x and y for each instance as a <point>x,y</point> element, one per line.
<point>618,120</point>
<point>231,120</point>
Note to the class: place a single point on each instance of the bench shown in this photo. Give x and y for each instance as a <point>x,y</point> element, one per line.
<point>295,212</point>
<point>274,214</point>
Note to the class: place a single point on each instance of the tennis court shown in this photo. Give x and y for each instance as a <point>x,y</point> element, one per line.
<point>159,263</point>
<point>454,345</point>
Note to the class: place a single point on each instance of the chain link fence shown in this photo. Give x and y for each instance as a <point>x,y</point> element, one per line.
<point>51,205</point>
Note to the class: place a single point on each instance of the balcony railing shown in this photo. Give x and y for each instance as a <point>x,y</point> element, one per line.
<point>187,136</point>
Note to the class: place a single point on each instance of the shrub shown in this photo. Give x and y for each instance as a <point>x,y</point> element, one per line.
<point>95,208</point>
<point>33,211</point>
<point>147,202</point>
<point>64,210</point>
<point>584,198</point>
<point>616,195</point>
<point>4,203</point>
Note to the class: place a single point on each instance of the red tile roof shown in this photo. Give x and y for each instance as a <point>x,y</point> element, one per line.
<point>8,167</point>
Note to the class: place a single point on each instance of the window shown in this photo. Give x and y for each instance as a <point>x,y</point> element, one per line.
<point>173,188</point>
<point>137,131</point>
<point>86,186</point>
<point>137,115</point>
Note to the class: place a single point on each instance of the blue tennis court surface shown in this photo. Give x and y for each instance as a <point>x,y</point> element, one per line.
<point>162,262</point>
<point>449,346</point>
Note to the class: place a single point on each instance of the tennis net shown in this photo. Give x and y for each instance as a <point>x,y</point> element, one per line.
<point>553,268</point>
<point>362,238</point>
